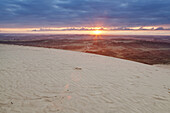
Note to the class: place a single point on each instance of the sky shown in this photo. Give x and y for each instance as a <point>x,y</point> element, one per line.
<point>84,13</point>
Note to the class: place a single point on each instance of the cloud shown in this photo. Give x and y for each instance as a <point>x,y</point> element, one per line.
<point>160,28</point>
<point>62,13</point>
<point>104,29</point>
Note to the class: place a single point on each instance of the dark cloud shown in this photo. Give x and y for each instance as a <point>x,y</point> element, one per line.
<point>59,13</point>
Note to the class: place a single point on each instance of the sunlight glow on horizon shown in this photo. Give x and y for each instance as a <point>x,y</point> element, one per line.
<point>97,32</point>
<point>86,30</point>
<point>83,28</point>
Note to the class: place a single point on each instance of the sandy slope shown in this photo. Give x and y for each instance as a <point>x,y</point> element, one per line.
<point>166,66</point>
<point>39,80</point>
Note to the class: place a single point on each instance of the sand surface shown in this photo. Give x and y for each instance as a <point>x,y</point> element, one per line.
<point>42,80</point>
<point>166,66</point>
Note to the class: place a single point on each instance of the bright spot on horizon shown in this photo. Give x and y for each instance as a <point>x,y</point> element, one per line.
<point>97,32</point>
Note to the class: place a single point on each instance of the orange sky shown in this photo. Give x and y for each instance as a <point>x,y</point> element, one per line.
<point>88,30</point>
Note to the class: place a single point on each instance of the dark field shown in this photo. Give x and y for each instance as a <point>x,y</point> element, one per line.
<point>144,49</point>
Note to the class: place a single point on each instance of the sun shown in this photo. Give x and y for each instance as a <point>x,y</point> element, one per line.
<point>97,32</point>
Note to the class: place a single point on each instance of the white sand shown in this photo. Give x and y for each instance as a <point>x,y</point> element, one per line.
<point>42,80</point>
<point>166,66</point>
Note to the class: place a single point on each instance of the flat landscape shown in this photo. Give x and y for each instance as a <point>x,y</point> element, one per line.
<point>144,49</point>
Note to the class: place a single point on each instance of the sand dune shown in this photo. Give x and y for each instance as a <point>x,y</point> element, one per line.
<point>42,80</point>
<point>166,66</point>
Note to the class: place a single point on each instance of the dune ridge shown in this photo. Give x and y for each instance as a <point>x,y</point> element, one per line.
<point>43,80</point>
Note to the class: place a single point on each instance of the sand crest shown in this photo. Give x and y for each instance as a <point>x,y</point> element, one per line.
<point>42,80</point>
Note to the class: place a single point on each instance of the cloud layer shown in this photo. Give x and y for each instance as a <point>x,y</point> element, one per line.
<point>62,13</point>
